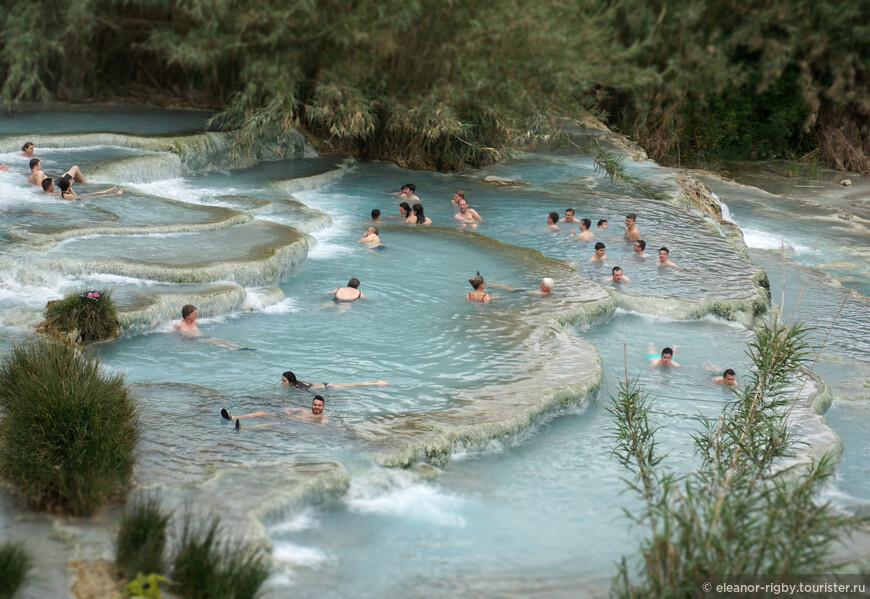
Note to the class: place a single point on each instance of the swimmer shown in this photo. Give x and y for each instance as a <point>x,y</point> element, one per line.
<point>187,325</point>
<point>545,288</point>
<point>585,234</point>
<point>314,415</point>
<point>602,224</point>
<point>3,167</point>
<point>419,217</point>
<point>639,247</point>
<point>457,195</point>
<point>666,358</point>
<point>569,216</point>
<point>406,192</point>
<point>664,260</point>
<point>350,293</point>
<point>370,236</point>
<point>376,216</point>
<point>37,174</point>
<point>552,220</point>
<point>407,215</point>
<point>27,149</point>
<point>67,192</point>
<point>729,378</point>
<point>632,233</point>
<point>288,379</point>
<point>47,185</point>
<point>617,276</point>
<point>467,215</point>
<point>478,296</point>
<point>599,253</point>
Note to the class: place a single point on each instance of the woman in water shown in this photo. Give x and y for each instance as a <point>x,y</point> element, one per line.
<point>27,149</point>
<point>407,214</point>
<point>288,379</point>
<point>419,217</point>
<point>351,293</point>
<point>478,296</point>
<point>68,193</point>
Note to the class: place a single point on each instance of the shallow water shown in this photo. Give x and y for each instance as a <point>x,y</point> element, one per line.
<point>525,499</point>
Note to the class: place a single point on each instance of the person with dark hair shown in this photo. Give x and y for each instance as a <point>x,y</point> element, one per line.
<point>585,234</point>
<point>376,216</point>
<point>602,224</point>
<point>407,214</point>
<point>569,216</point>
<point>67,192</point>
<point>729,378</point>
<point>47,185</point>
<point>419,217</point>
<point>552,220</point>
<point>632,233</point>
<point>27,149</point>
<point>315,414</point>
<point>406,192</point>
<point>3,167</point>
<point>37,174</point>
<point>371,236</point>
<point>616,276</point>
<point>350,293</point>
<point>599,253</point>
<point>457,195</point>
<point>478,296</point>
<point>288,379</point>
<point>639,247</point>
<point>187,324</point>
<point>666,358</point>
<point>664,259</point>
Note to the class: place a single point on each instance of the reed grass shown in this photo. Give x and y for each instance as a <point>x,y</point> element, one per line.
<point>87,318</point>
<point>141,542</point>
<point>68,431</point>
<point>15,564</point>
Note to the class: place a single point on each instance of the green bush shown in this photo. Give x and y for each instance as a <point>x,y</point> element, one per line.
<point>68,431</point>
<point>208,565</point>
<point>14,565</point>
<point>92,314</point>
<point>142,538</point>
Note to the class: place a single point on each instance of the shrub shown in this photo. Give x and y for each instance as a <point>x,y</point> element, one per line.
<point>14,565</point>
<point>68,431</point>
<point>208,565</point>
<point>90,315</point>
<point>142,538</point>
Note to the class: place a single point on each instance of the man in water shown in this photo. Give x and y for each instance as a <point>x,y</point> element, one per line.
<point>371,236</point>
<point>407,193</point>
<point>729,377</point>
<point>666,358</point>
<point>47,185</point>
<point>664,260</point>
<point>585,234</point>
<point>187,325</point>
<point>599,253</point>
<point>314,415</point>
<point>632,233</point>
<point>639,247</point>
<point>602,224</point>
<point>552,220</point>
<point>37,174</point>
<point>376,216</point>
<point>617,276</point>
<point>467,215</point>
<point>569,216</point>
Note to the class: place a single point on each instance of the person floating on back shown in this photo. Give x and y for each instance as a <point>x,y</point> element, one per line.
<point>314,415</point>
<point>37,174</point>
<point>288,379</point>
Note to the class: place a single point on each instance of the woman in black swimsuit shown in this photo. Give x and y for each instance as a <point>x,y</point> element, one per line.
<point>288,379</point>
<point>351,293</point>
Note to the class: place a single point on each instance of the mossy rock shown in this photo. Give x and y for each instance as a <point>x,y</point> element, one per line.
<point>81,318</point>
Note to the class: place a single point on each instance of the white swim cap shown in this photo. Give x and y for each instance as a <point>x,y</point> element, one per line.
<point>548,283</point>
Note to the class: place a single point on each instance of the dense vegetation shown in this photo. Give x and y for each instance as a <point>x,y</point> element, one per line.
<point>15,563</point>
<point>141,542</point>
<point>68,431</point>
<point>445,84</point>
<point>85,316</point>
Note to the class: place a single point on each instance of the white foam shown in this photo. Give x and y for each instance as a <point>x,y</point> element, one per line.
<point>285,306</point>
<point>726,213</point>
<point>418,501</point>
<point>305,520</point>
<point>764,240</point>
<point>299,555</point>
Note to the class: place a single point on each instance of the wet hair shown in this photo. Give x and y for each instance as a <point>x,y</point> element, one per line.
<point>571,210</point>
<point>459,193</point>
<point>666,250</point>
<point>668,351</point>
<point>418,212</point>
<point>33,162</point>
<point>410,186</point>
<point>476,281</point>
<point>188,310</point>
<point>642,244</point>
<point>586,223</point>
<point>291,378</point>
<point>631,215</point>
<point>375,229</point>
<point>548,283</point>
<point>600,246</point>
<point>353,283</point>
<point>320,397</point>
<point>615,268</point>
<point>554,216</point>
<point>27,144</point>
<point>405,207</point>
<point>602,221</point>
<point>375,213</point>
<point>64,184</point>
<point>729,372</point>
<point>47,183</point>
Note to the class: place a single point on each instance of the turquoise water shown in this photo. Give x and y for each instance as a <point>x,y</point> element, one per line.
<point>506,396</point>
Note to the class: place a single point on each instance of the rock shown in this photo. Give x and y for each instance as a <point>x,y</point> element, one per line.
<point>846,182</point>
<point>501,181</point>
<point>95,580</point>
<point>699,195</point>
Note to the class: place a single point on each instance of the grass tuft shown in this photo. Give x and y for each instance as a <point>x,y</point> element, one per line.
<point>87,315</point>
<point>14,566</point>
<point>142,538</point>
<point>68,431</point>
